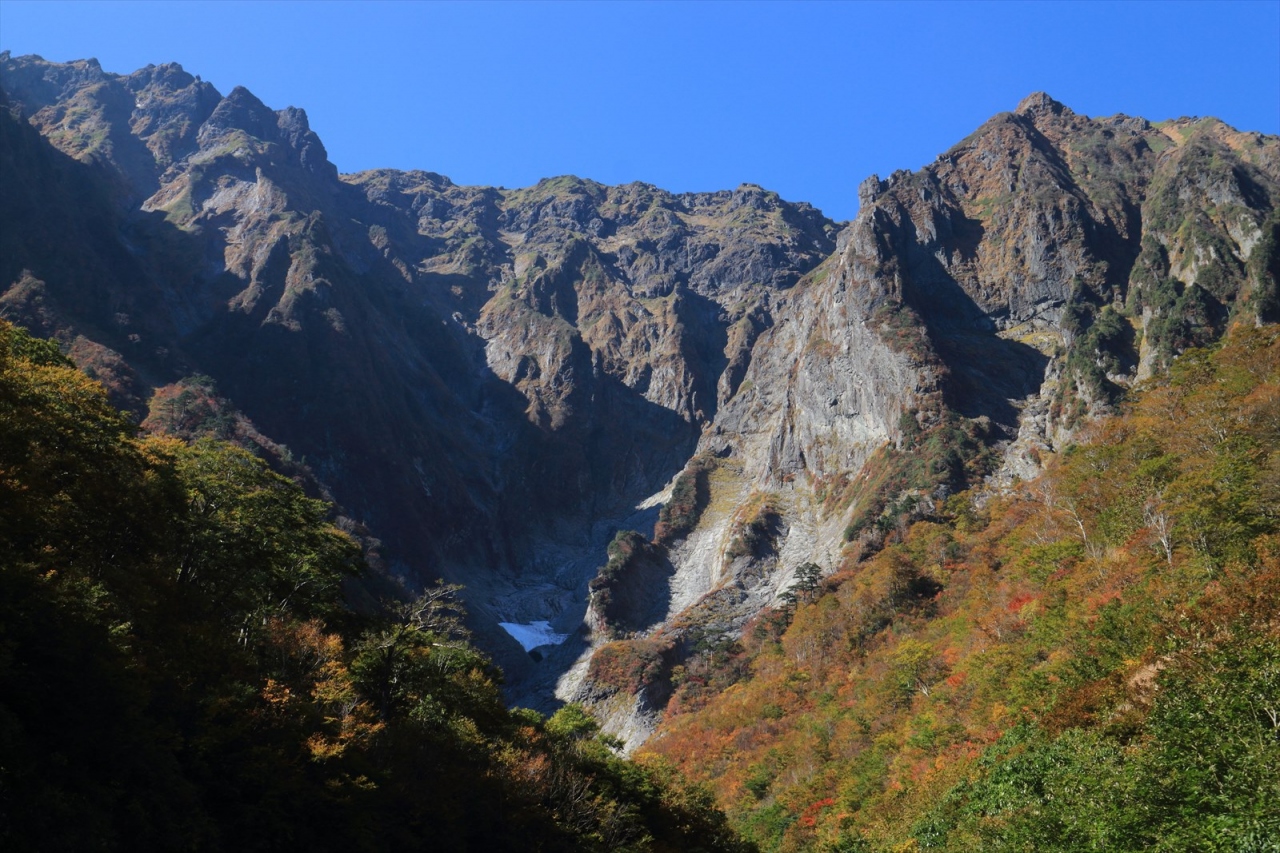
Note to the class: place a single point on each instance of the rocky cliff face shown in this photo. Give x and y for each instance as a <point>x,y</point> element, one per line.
<point>495,381</point>
<point>1010,292</point>
<point>484,378</point>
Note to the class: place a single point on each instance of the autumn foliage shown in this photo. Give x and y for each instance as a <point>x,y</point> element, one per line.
<point>179,669</point>
<point>689,496</point>
<point>1088,661</point>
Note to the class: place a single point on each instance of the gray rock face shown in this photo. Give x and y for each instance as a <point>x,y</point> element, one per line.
<point>495,381</point>
<point>484,377</point>
<point>1020,281</point>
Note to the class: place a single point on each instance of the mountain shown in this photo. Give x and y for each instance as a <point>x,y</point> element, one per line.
<point>500,384</point>
<point>974,316</point>
<point>474,373</point>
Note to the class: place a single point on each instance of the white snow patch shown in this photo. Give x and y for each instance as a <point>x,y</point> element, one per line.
<point>533,634</point>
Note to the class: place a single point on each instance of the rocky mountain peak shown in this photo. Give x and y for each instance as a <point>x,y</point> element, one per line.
<point>241,110</point>
<point>168,76</point>
<point>49,81</point>
<point>1039,103</point>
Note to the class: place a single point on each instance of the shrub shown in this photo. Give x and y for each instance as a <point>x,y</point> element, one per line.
<point>689,497</point>
<point>629,665</point>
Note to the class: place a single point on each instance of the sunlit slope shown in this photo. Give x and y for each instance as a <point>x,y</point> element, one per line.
<point>1089,661</point>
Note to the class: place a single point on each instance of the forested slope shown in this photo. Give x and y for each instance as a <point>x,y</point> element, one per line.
<point>1088,662</point>
<point>178,669</point>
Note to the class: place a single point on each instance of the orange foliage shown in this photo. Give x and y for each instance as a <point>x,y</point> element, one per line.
<point>1040,605</point>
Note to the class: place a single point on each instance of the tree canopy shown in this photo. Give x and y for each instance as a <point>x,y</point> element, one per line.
<point>179,670</point>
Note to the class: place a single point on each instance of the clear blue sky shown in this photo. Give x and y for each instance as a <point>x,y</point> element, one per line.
<point>804,98</point>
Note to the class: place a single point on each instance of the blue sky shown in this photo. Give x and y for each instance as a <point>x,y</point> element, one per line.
<point>804,98</point>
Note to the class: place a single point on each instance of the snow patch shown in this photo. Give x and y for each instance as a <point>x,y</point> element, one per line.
<point>533,634</point>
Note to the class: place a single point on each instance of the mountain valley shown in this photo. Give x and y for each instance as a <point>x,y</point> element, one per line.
<point>636,426</point>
